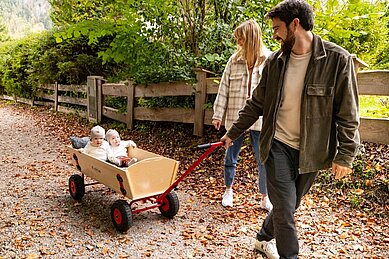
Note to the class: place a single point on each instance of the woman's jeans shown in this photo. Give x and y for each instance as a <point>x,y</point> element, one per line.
<point>286,188</point>
<point>231,158</point>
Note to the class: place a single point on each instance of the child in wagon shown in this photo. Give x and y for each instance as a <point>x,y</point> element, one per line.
<point>119,148</point>
<point>98,147</point>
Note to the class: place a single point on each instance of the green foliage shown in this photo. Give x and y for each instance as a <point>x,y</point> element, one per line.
<point>15,59</point>
<point>151,41</point>
<point>353,25</point>
<point>367,184</point>
<point>65,12</point>
<point>119,103</point>
<point>167,102</point>
<point>158,41</point>
<point>383,57</point>
<point>39,59</point>
<point>374,106</point>
<point>3,33</point>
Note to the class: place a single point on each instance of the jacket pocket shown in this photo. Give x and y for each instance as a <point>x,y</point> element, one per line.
<point>320,90</point>
<point>319,101</point>
<point>236,82</point>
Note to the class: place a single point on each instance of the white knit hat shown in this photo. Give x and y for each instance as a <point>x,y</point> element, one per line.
<point>97,132</point>
<point>110,133</point>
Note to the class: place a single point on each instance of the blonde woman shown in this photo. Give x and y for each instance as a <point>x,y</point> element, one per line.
<point>241,75</point>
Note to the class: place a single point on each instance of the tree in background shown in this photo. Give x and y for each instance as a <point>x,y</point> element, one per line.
<point>383,57</point>
<point>4,36</point>
<point>67,12</point>
<point>23,17</point>
<point>356,26</point>
<point>154,41</point>
<point>163,40</point>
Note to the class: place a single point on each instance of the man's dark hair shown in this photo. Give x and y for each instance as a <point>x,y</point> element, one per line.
<point>288,10</point>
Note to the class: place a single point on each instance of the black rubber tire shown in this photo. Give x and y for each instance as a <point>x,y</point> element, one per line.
<point>121,215</point>
<point>76,187</point>
<point>170,205</point>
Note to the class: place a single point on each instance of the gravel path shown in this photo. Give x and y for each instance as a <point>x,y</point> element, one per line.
<point>39,219</point>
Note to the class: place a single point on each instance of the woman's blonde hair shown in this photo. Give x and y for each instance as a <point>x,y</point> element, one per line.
<point>253,48</point>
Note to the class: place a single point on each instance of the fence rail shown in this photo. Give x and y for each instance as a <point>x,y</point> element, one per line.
<point>92,105</point>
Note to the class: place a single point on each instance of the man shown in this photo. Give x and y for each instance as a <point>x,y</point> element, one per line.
<point>309,101</point>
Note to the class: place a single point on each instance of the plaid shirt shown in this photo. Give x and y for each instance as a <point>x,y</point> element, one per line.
<point>233,91</point>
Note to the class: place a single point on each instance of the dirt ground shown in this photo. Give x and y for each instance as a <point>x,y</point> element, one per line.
<point>39,219</point>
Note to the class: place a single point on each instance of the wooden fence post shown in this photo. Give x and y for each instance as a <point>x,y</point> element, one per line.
<point>94,98</point>
<point>100,98</point>
<point>200,97</point>
<point>130,104</point>
<point>358,63</point>
<point>56,96</point>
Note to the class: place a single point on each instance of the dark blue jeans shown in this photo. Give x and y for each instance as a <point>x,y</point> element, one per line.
<point>231,158</point>
<point>286,187</point>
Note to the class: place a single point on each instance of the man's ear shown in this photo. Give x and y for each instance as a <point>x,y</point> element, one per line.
<point>296,21</point>
<point>294,24</point>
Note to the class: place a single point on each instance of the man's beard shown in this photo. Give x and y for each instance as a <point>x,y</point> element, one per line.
<point>288,43</point>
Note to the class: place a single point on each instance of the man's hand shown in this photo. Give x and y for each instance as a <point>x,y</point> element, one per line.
<point>217,124</point>
<point>227,141</point>
<point>340,171</point>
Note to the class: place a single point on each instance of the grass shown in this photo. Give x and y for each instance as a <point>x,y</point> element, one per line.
<point>374,106</point>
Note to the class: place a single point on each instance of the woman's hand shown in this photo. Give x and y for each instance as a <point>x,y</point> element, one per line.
<point>217,124</point>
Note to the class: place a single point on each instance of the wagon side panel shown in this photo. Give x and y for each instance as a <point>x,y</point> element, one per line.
<point>140,154</point>
<point>101,171</point>
<point>151,176</point>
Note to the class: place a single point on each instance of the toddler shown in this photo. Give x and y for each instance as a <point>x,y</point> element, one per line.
<point>98,147</point>
<point>119,147</point>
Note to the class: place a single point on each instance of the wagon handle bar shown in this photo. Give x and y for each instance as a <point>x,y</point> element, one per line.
<point>211,147</point>
<point>208,145</point>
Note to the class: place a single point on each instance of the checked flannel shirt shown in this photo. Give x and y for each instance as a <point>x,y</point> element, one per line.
<point>233,91</point>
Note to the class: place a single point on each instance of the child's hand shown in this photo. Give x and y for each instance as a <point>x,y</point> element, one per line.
<point>116,161</point>
<point>132,144</point>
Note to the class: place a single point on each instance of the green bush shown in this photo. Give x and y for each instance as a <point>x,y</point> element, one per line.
<point>150,41</point>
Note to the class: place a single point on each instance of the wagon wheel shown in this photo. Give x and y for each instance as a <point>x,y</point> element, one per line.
<point>121,215</point>
<point>170,205</point>
<point>76,187</point>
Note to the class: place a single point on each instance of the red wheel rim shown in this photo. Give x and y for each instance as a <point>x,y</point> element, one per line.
<point>165,204</point>
<point>117,215</point>
<point>72,187</point>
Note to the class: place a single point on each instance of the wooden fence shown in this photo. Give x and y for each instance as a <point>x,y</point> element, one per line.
<point>97,89</point>
<point>374,83</point>
<point>197,116</point>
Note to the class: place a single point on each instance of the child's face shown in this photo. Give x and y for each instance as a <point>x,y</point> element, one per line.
<point>96,142</point>
<point>114,140</point>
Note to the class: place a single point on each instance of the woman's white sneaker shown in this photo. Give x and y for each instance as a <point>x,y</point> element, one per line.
<point>228,197</point>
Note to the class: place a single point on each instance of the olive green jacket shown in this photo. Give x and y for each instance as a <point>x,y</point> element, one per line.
<point>329,107</point>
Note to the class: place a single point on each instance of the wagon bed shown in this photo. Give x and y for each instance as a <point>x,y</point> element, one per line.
<point>151,175</point>
<point>151,178</point>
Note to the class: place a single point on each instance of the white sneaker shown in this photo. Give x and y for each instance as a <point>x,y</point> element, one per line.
<point>266,204</point>
<point>268,248</point>
<point>228,196</point>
